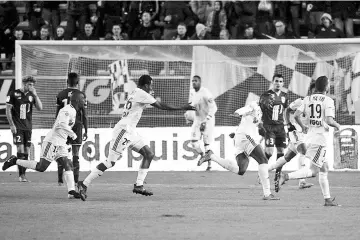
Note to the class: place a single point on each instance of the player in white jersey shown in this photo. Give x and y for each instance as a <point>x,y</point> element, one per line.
<point>321,112</point>
<point>125,135</point>
<point>296,145</point>
<point>203,121</point>
<point>247,145</point>
<point>54,145</point>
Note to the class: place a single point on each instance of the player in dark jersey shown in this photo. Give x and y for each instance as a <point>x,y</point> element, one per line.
<point>63,98</point>
<point>273,104</point>
<point>19,108</point>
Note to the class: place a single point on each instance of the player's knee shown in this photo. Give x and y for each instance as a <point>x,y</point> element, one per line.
<point>40,168</point>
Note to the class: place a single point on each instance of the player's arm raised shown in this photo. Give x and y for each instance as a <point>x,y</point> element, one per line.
<point>38,103</point>
<point>242,111</point>
<point>164,106</point>
<point>58,106</point>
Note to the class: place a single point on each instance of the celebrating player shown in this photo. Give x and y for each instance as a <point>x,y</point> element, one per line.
<point>63,99</point>
<point>297,144</point>
<point>321,111</point>
<point>54,145</point>
<point>19,107</point>
<point>204,118</point>
<point>125,135</point>
<point>273,120</point>
<point>247,141</point>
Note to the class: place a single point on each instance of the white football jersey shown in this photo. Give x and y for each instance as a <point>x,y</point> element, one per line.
<point>317,107</point>
<point>204,103</point>
<point>294,106</point>
<point>62,127</point>
<point>137,101</point>
<point>251,117</point>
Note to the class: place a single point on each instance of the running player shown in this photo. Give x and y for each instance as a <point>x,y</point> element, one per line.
<point>125,135</point>
<point>273,119</point>
<point>54,145</point>
<point>247,141</point>
<point>297,144</point>
<point>19,109</point>
<point>321,111</point>
<point>63,99</point>
<point>204,120</point>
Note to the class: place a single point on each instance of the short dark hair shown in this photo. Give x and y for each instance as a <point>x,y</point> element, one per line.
<point>144,79</point>
<point>321,83</point>
<point>28,79</point>
<point>73,79</point>
<point>277,75</point>
<point>88,23</point>
<point>75,96</point>
<point>197,76</point>
<point>182,24</point>
<point>45,27</point>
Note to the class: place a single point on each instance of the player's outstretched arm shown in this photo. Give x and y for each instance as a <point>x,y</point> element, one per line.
<point>164,106</point>
<point>85,122</point>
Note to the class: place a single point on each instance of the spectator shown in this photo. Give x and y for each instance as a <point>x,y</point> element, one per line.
<point>224,34</point>
<point>19,35</point>
<point>326,29</point>
<point>77,12</point>
<point>34,15</point>
<point>117,34</point>
<point>294,8</point>
<point>88,33</point>
<point>216,20</point>
<point>172,14</point>
<point>51,15</point>
<point>201,9</point>
<point>316,9</point>
<point>135,10</point>
<point>201,33</point>
<point>146,30</point>
<point>281,31</point>
<point>60,33</point>
<point>264,17</point>
<point>250,33</point>
<point>232,10</point>
<point>181,32</point>
<point>248,11</point>
<point>44,34</point>
<point>343,13</point>
<point>110,13</point>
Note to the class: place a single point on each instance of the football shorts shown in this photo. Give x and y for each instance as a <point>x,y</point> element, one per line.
<point>22,137</point>
<point>275,136</point>
<point>244,143</point>
<point>51,152</point>
<point>207,134</point>
<point>316,154</point>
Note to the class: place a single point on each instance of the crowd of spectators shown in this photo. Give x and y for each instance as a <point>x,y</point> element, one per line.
<point>173,20</point>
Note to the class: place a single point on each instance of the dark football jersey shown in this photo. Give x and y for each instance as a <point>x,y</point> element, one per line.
<point>272,106</point>
<point>22,108</point>
<point>63,98</point>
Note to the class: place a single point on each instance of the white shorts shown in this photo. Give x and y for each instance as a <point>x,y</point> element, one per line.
<point>244,143</point>
<point>121,139</point>
<point>208,134</point>
<point>316,154</point>
<point>51,152</point>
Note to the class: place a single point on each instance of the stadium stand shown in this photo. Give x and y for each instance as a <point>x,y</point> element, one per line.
<point>160,20</point>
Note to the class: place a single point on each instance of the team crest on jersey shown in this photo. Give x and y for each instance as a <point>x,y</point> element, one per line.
<point>283,99</point>
<point>31,98</point>
<point>17,94</point>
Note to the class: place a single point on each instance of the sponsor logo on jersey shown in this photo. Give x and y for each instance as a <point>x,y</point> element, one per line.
<point>283,99</point>
<point>16,94</point>
<point>31,98</point>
